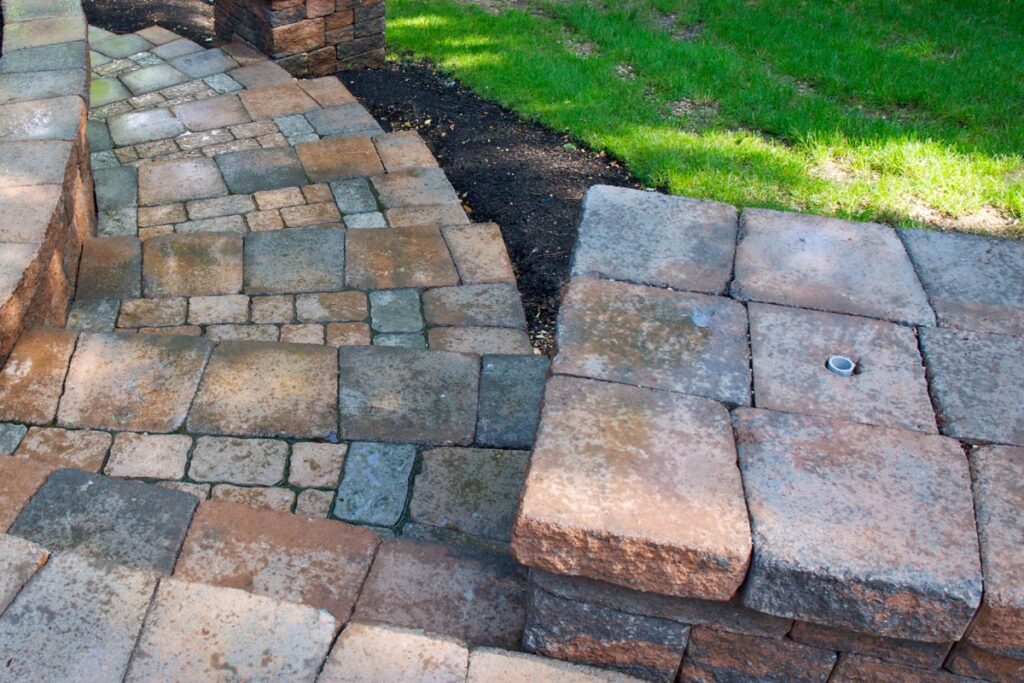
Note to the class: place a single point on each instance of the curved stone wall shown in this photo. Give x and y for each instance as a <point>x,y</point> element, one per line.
<point>46,190</point>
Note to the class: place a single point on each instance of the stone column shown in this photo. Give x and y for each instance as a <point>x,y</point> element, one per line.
<point>307,37</point>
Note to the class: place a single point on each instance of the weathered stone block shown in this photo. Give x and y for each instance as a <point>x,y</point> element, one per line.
<point>289,261</point>
<point>479,253</point>
<point>339,158</point>
<point>375,486</point>
<point>396,310</point>
<point>366,652</point>
<point>716,655</point>
<point>480,340</point>
<point>111,268</point>
<point>213,112</point>
<point>929,656</point>
<point>511,388</point>
<point>493,305</point>
<point>635,487</point>
<point>192,264</point>
<point>19,480</point>
<point>426,186</point>
<point>392,258</point>
<point>277,100</point>
<point>975,663</point>
<point>153,456</point>
<point>261,169</point>
<point>860,669</point>
<point>32,379</point>
<point>166,182</point>
<point>19,560</point>
<point>239,461</point>
<point>82,449</point>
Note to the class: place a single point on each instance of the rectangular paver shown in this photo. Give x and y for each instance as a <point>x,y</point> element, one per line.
<point>291,261</point>
<point>32,379</point>
<point>390,258</point>
<point>376,652</point>
<point>166,182</point>
<point>261,169</point>
<point>80,448</point>
<point>192,264</point>
<point>375,484</point>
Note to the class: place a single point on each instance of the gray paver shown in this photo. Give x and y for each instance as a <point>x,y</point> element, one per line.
<point>19,560</point>
<point>493,305</point>
<point>11,435</point>
<point>205,63</point>
<point>425,186</point>
<point>116,188</point>
<point>144,126</point>
<point>353,195</point>
<point>511,388</point>
<point>69,55</point>
<point>54,119</point>
<point>261,169</point>
<point>152,78</point>
<point>438,390</point>
<point>239,461</point>
<point>977,383</point>
<point>298,260</point>
<point>344,119</point>
<point>176,48</point>
<point>122,46</point>
<point>93,315</point>
<point>396,310</point>
<point>375,483</point>
<point>190,265</point>
<point>76,621</point>
<point>408,341</point>
<point>125,522</point>
<point>827,264</point>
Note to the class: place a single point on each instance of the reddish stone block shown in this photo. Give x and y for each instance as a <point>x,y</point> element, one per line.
<point>393,258</point>
<point>19,480</point>
<point>327,91</point>
<point>717,656</point>
<point>909,652</point>
<point>301,36</point>
<point>860,669</point>
<point>314,562</point>
<point>858,527</point>
<point>32,379</point>
<point>334,158</point>
<point>973,662</point>
<point>339,20</point>
<point>404,150</point>
<point>479,253</point>
<point>278,100</point>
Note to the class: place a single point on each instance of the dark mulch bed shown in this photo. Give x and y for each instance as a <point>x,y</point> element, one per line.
<point>190,18</point>
<point>526,178</point>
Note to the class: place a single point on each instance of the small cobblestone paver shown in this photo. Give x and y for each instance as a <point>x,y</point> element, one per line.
<point>109,372</point>
<point>19,480</point>
<point>288,261</point>
<point>998,498</point>
<point>859,527</point>
<point>239,461</point>
<point>927,656</point>
<point>32,378</point>
<point>969,279</point>
<point>827,264</point>
<point>408,341</point>
<point>492,305</point>
<point>479,340</point>
<point>273,309</point>
<point>152,313</point>
<point>265,389</point>
<point>471,490</point>
<point>392,258</point>
<point>19,560</point>
<point>396,310</point>
<point>656,239</point>
<point>213,112</point>
<point>166,182</point>
<point>219,206</point>
<point>316,465</point>
<point>353,195</point>
<point>111,268</point>
<point>378,653</point>
<point>152,456</point>
<point>511,388</point>
<point>80,448</point>
<point>314,503</point>
<point>125,522</point>
<point>489,664</point>
<point>334,158</point>
<point>332,306</point>
<point>88,611</point>
<point>232,308</point>
<point>348,334</point>
<point>277,499</point>
<point>197,632</point>
<point>190,265</point>
<point>717,655</point>
<point>407,395</point>
<point>791,347</point>
<point>261,169</point>
<point>634,644</point>
<point>375,483</point>
<point>620,332</point>
<point>636,487</point>
<point>313,562</point>
<point>476,597</point>
<point>977,383</point>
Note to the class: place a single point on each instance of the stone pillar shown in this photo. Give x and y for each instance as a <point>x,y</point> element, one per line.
<point>307,37</point>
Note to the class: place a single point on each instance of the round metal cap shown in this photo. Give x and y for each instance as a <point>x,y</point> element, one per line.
<point>840,365</point>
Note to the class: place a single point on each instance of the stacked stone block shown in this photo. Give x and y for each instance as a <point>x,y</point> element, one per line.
<point>46,196</point>
<point>706,501</point>
<point>307,37</point>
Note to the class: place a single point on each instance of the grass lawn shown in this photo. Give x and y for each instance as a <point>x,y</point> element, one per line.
<point>909,112</point>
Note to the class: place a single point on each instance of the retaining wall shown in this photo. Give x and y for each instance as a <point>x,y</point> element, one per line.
<point>46,190</point>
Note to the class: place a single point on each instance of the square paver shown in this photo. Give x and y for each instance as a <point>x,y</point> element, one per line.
<point>125,522</point>
<point>122,46</point>
<point>377,652</point>
<point>176,48</point>
<point>289,261</point>
<point>196,632</point>
<point>239,461</point>
<point>476,597</point>
<point>392,258</point>
<point>314,562</point>
<point>829,265</point>
<point>109,374</point>
<point>635,487</point>
<point>651,337</point>
<point>420,187</point>
<point>407,395</point>
<point>192,264</point>
<point>116,188</point>
<point>471,490</point>
<point>104,91</point>
<point>511,388</point>
<point>375,484</point>
<point>396,310</point>
<point>339,158</point>
<point>344,119</point>
<point>89,612</point>
<point>166,182</point>
<point>212,112</point>
<point>973,282</point>
<point>205,63</point>
<point>403,150</point>
<point>111,268</point>
<point>135,127</point>
<point>859,527</point>
<point>977,383</point>
<point>998,498</point>
<point>655,239</point>
<point>32,379</point>
<point>261,169</point>
<point>158,35</point>
<point>316,465</point>
<point>152,78</point>
<point>19,480</point>
<point>791,347</point>
<point>479,253</point>
<point>276,100</point>
<point>268,389</point>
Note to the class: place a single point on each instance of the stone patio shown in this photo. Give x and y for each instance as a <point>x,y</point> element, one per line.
<point>294,428</point>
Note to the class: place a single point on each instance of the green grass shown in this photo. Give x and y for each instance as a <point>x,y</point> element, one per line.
<point>908,112</point>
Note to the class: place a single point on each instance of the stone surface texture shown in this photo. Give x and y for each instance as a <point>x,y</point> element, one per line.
<point>372,653</point>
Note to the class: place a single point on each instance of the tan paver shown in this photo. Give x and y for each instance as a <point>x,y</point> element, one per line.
<point>418,187</point>
<point>263,389</point>
<point>315,562</point>
<point>377,653</point>
<point>403,151</point>
<point>189,265</point>
<point>83,449</point>
<point>333,158</point>
<point>166,182</point>
<point>314,503</point>
<point>332,306</point>
<point>492,305</point>
<point>110,372</point>
<point>841,513</point>
<point>277,100</point>
<point>32,379</point>
<point>347,334</point>
<point>316,465</point>
<point>392,258</point>
<point>488,664</point>
<point>230,308</point>
<point>635,487</point>
<point>480,340</point>
<point>479,253</point>
<point>273,309</point>
<point>19,560</point>
<point>19,480</point>
<point>212,112</point>
<point>196,632</point>
<point>239,461</point>
<point>278,499</point>
<point>152,456</point>
<point>327,91</point>
<point>152,312</point>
